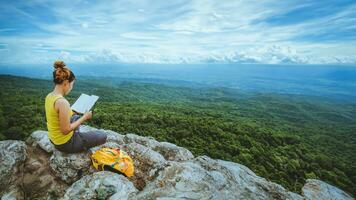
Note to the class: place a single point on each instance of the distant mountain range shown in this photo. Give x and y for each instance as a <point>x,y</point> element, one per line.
<point>272,54</point>
<point>276,55</point>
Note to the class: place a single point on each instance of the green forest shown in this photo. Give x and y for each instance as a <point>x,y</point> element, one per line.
<point>283,138</point>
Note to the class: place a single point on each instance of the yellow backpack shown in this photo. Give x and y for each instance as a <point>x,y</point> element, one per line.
<point>113,159</point>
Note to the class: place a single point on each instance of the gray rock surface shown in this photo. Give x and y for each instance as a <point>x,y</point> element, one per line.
<point>101,185</point>
<point>168,150</point>
<point>162,171</point>
<point>12,156</point>
<point>173,152</point>
<point>149,142</point>
<point>13,193</point>
<point>319,190</point>
<point>41,138</point>
<point>70,166</point>
<point>146,161</point>
<point>206,178</point>
<point>38,179</point>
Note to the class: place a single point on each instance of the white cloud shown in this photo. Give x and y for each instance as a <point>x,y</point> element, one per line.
<point>176,32</point>
<point>138,36</point>
<point>85,25</point>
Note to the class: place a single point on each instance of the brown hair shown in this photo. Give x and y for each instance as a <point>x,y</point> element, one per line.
<point>62,72</point>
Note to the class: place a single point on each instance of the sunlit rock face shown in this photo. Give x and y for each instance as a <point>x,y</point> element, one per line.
<point>35,169</point>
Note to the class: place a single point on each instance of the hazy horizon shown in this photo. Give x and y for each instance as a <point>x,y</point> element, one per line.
<point>334,81</point>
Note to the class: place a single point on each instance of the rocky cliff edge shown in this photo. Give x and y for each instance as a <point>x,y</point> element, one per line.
<point>34,169</point>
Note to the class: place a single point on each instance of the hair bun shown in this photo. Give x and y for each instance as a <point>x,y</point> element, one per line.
<point>59,64</point>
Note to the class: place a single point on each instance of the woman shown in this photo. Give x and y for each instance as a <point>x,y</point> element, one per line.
<point>62,123</point>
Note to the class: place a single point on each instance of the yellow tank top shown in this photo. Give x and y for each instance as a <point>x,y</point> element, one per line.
<point>52,117</point>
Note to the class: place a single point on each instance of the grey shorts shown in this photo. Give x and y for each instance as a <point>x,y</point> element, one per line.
<point>80,142</point>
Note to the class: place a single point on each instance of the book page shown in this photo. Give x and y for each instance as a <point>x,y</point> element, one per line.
<point>84,103</point>
<point>91,101</point>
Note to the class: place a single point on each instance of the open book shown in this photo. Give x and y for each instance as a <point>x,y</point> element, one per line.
<point>84,103</point>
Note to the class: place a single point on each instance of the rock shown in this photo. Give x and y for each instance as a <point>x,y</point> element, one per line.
<point>101,185</point>
<point>38,179</point>
<point>146,161</point>
<point>107,144</point>
<point>12,155</point>
<point>114,137</point>
<point>319,190</point>
<point>41,138</point>
<point>246,183</point>
<point>173,152</point>
<point>168,150</point>
<point>162,171</point>
<point>205,178</point>
<point>69,167</point>
<point>144,154</point>
<point>13,193</point>
<point>149,142</point>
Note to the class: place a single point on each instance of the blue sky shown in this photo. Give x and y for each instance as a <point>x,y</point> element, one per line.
<point>180,31</point>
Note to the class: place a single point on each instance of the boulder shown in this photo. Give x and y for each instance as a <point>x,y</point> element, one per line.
<point>114,137</point>
<point>168,150</point>
<point>38,179</point>
<point>319,190</point>
<point>41,138</point>
<point>13,193</point>
<point>101,185</point>
<point>205,178</point>
<point>149,142</point>
<point>146,161</point>
<point>69,167</point>
<point>12,156</point>
<point>173,152</point>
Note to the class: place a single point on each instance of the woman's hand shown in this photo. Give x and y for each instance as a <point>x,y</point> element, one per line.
<point>87,115</point>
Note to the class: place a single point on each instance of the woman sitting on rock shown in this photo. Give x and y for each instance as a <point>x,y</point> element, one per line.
<point>62,123</point>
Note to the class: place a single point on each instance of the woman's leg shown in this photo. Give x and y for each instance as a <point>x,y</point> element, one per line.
<point>87,140</point>
<point>91,139</point>
<point>82,141</point>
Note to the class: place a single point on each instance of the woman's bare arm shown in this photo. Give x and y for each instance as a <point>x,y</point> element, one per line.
<point>64,121</point>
